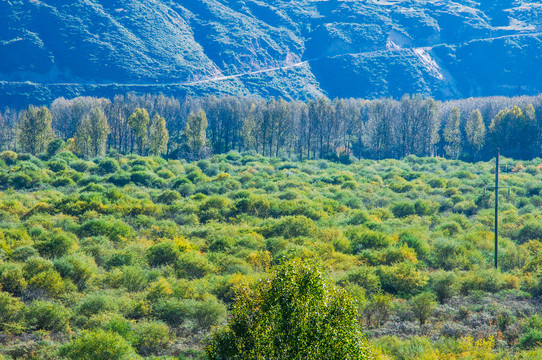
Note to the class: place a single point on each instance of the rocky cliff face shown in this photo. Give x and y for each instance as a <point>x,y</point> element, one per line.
<point>295,49</point>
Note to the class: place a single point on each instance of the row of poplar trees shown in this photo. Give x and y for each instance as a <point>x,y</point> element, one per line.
<point>337,129</point>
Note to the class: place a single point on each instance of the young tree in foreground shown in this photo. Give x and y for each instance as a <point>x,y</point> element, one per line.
<point>297,313</point>
<point>35,131</point>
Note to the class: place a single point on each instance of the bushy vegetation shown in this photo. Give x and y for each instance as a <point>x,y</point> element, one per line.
<point>140,257</point>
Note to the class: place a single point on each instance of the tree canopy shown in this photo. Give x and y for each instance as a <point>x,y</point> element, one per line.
<point>297,313</point>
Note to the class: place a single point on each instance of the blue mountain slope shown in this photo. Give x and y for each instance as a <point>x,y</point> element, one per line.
<point>295,49</point>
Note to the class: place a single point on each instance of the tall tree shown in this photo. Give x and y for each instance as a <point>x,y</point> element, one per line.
<point>379,132</point>
<point>195,133</point>
<point>139,122</point>
<point>34,130</point>
<point>514,131</point>
<point>158,136</point>
<point>251,127</point>
<point>321,117</point>
<point>417,127</point>
<point>452,134</point>
<point>475,132</point>
<point>67,114</point>
<point>92,132</point>
<point>8,133</point>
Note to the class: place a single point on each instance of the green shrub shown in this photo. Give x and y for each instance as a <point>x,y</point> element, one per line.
<point>115,230</point>
<point>57,166</point>
<point>9,157</point>
<point>145,178</point>
<point>362,238</point>
<point>292,227</point>
<point>416,347</point>
<point>12,278</point>
<point>489,280</point>
<point>165,174</point>
<point>216,208</point>
<point>120,178</point>
<point>444,284</point>
<point>173,311</point>
<point>133,278</point>
<point>98,345</point>
<point>108,166</point>
<point>54,147</point>
<point>359,217</point>
<point>168,197</point>
<point>378,310</point>
<point>50,282</point>
<point>81,165</point>
<point>466,207</point>
<point>365,277</point>
<point>24,253</point>
<point>96,304</point>
<point>56,244</point>
<point>35,266</point>
<point>402,278</point>
<point>193,266</point>
<point>413,241</point>
<point>425,207</point>
<point>446,253</point>
<point>437,183</point>
<point>45,315</point>
<point>151,337</point>
<point>208,313</point>
<point>531,230</point>
<point>77,267</point>
<point>254,205</point>
<point>531,339</point>
<point>164,253</point>
<point>11,313</point>
<point>403,209</point>
<point>21,181</point>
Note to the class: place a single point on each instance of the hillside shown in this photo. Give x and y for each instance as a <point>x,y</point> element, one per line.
<point>295,49</point>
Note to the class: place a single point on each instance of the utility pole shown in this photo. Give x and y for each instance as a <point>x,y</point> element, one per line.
<point>497,209</point>
<point>497,188</point>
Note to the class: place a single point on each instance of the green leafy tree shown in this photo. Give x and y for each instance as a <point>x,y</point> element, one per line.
<point>91,136</point>
<point>514,132</point>
<point>139,122</point>
<point>297,313</point>
<point>34,130</point>
<point>195,133</point>
<point>452,134</point>
<point>422,306</point>
<point>158,136</point>
<point>475,131</point>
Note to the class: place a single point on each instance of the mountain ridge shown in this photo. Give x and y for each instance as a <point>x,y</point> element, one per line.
<point>295,50</point>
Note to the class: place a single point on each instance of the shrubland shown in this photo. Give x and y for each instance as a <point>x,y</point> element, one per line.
<point>128,257</point>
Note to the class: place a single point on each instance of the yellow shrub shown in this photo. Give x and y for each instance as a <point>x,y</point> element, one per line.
<point>159,289</point>
<point>260,260</point>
